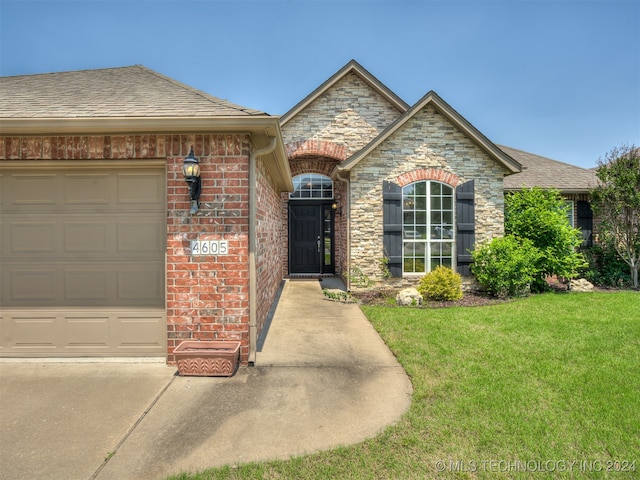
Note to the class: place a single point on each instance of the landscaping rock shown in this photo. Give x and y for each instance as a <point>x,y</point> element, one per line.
<point>581,285</point>
<point>409,296</point>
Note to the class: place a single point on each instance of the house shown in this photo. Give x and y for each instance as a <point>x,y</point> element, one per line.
<point>106,249</point>
<point>98,247</point>
<point>400,176</point>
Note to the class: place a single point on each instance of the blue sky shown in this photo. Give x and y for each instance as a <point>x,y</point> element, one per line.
<point>559,78</point>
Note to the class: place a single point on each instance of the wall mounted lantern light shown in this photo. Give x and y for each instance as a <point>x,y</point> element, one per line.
<point>191,172</point>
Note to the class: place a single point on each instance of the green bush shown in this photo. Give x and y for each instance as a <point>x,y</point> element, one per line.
<point>606,268</point>
<point>441,284</point>
<point>359,278</point>
<point>541,216</point>
<point>507,266</point>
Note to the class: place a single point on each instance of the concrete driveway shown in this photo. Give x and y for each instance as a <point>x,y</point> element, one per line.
<point>324,378</point>
<point>61,420</point>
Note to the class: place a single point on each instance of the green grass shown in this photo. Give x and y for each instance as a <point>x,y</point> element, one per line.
<point>505,391</point>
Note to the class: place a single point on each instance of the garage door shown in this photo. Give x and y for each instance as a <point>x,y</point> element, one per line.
<point>82,260</point>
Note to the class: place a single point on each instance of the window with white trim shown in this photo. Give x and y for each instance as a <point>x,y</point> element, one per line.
<point>570,211</point>
<point>428,231</point>
<point>311,186</point>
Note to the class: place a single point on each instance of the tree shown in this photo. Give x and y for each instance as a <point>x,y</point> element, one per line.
<point>541,217</point>
<point>616,203</point>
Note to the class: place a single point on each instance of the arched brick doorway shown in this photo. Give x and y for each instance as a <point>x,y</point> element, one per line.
<point>311,220</point>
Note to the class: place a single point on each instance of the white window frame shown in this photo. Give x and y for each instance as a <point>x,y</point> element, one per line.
<point>571,212</point>
<point>429,227</point>
<point>311,186</point>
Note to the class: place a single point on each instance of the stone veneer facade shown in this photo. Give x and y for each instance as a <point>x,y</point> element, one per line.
<point>349,115</point>
<point>427,147</point>
<point>344,119</point>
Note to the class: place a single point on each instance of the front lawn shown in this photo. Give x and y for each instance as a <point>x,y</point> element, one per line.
<point>544,387</point>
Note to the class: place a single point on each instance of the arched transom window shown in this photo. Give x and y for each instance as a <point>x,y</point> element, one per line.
<point>427,226</point>
<point>310,186</point>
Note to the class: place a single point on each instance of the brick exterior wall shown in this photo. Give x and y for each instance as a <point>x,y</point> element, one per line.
<point>428,145</point>
<point>341,229</point>
<point>207,297</point>
<point>269,239</point>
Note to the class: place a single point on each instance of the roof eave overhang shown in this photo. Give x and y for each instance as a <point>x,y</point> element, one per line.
<point>260,128</point>
<point>129,125</point>
<point>276,162</point>
<point>566,191</point>
<point>511,165</point>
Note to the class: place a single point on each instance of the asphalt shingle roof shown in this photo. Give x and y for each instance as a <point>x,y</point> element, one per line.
<point>134,91</point>
<point>544,172</point>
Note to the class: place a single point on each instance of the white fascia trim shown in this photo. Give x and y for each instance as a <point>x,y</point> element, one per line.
<point>131,125</point>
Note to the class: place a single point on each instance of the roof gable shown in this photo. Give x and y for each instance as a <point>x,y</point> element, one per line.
<point>134,91</point>
<point>545,172</point>
<point>454,117</point>
<point>357,69</point>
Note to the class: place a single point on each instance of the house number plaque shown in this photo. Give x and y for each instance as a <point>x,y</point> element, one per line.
<point>209,247</point>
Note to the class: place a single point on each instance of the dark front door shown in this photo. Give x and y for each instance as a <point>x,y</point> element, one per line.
<point>310,238</point>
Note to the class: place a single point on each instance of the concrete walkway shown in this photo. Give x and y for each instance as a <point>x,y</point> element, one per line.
<point>324,378</point>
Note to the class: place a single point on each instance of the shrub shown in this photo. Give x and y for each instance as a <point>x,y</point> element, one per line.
<point>359,279</point>
<point>541,216</point>
<point>606,268</point>
<point>441,284</point>
<point>506,266</point>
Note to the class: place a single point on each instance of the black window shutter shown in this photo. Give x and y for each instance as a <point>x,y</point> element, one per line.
<point>392,226</point>
<point>585,222</point>
<point>465,226</point>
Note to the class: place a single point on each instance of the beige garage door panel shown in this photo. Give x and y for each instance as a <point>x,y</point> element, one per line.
<point>107,284</point>
<point>94,190</point>
<point>83,332</point>
<point>82,255</point>
<point>74,236</point>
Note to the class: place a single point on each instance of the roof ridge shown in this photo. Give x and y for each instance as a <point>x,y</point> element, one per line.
<point>82,70</point>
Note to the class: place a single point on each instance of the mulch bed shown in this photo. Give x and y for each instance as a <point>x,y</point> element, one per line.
<point>470,299</point>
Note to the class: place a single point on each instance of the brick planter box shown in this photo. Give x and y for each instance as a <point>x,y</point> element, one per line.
<point>207,358</point>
